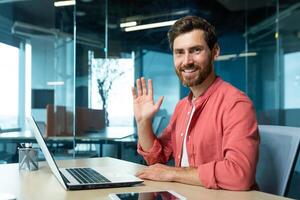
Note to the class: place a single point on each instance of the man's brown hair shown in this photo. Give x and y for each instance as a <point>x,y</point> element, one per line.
<point>190,23</point>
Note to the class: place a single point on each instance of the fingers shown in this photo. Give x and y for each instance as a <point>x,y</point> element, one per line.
<point>141,173</point>
<point>153,172</point>
<point>139,87</point>
<point>144,174</point>
<point>142,87</point>
<point>133,93</point>
<point>159,102</point>
<point>150,88</point>
<point>150,168</point>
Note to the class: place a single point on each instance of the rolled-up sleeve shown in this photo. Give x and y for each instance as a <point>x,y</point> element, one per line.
<point>161,150</point>
<point>163,146</point>
<point>239,148</point>
<point>154,155</point>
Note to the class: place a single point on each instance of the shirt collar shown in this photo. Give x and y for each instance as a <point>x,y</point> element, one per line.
<point>210,90</point>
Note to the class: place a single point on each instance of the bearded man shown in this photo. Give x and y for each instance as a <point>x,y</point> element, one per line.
<point>213,132</point>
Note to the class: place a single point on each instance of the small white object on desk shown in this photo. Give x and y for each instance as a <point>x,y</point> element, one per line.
<point>7,197</point>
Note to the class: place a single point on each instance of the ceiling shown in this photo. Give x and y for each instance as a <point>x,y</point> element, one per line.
<point>227,15</point>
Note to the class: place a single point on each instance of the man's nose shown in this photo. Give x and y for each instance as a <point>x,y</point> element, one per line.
<point>188,59</point>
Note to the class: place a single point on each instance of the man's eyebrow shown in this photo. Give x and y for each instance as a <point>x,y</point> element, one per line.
<point>178,49</point>
<point>192,47</point>
<point>196,46</point>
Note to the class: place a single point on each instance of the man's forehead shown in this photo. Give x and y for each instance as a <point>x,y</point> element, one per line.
<point>190,39</point>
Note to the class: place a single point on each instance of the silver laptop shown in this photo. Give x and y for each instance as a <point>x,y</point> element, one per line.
<point>82,178</point>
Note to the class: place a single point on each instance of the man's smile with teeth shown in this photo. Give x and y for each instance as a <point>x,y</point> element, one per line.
<point>189,70</point>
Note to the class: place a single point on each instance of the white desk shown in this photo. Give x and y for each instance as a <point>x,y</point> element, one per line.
<point>42,184</point>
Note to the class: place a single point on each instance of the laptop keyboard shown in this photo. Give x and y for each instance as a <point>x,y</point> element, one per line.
<point>87,175</point>
<point>64,178</point>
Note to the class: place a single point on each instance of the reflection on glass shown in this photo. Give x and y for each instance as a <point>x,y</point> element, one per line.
<point>164,195</point>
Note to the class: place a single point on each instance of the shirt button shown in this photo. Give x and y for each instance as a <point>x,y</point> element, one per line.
<point>188,113</point>
<point>181,134</point>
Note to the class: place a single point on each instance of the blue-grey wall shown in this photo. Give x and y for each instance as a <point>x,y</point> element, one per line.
<point>159,67</point>
<point>232,70</point>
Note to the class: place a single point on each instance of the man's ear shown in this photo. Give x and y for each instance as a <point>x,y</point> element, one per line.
<point>216,51</point>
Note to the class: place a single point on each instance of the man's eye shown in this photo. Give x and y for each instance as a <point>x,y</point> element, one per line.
<point>197,50</point>
<point>178,52</point>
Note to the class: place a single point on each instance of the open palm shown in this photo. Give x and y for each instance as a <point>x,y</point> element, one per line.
<point>143,103</point>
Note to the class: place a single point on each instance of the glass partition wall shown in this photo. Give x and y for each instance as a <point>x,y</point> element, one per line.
<point>41,80</point>
<point>273,73</point>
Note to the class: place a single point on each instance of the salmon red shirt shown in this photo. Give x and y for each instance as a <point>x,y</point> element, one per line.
<point>222,141</point>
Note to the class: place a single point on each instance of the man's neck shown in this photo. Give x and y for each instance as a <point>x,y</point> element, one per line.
<point>198,90</point>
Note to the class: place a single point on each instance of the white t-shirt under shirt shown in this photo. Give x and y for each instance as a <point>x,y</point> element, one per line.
<point>184,157</point>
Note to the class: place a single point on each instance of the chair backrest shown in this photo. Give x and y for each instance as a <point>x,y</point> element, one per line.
<point>60,120</point>
<point>89,120</point>
<point>278,154</point>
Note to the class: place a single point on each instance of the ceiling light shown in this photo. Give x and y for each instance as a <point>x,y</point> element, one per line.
<point>55,83</point>
<point>226,57</point>
<point>65,3</point>
<point>128,24</point>
<point>247,54</point>
<point>149,26</point>
<point>233,56</point>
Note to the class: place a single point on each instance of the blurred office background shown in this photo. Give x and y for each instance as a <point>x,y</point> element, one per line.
<point>59,62</point>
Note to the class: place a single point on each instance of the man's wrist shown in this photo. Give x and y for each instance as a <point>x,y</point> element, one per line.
<point>144,123</point>
<point>187,175</point>
<point>176,173</point>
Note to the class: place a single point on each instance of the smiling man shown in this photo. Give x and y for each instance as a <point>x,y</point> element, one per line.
<point>212,134</point>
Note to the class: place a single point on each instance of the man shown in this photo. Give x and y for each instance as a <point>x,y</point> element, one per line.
<point>212,134</point>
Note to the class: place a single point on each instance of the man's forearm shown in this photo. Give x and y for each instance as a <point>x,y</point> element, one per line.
<point>160,172</point>
<point>146,136</point>
<point>188,175</point>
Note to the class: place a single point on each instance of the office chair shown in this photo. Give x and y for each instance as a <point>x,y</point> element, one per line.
<point>278,154</point>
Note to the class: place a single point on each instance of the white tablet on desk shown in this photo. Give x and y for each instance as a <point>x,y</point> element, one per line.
<point>158,195</point>
<point>7,197</point>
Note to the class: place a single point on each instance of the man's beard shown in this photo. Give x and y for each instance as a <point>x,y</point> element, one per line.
<point>202,75</point>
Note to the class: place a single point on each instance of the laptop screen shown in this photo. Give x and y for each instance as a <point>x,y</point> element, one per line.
<point>49,158</point>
